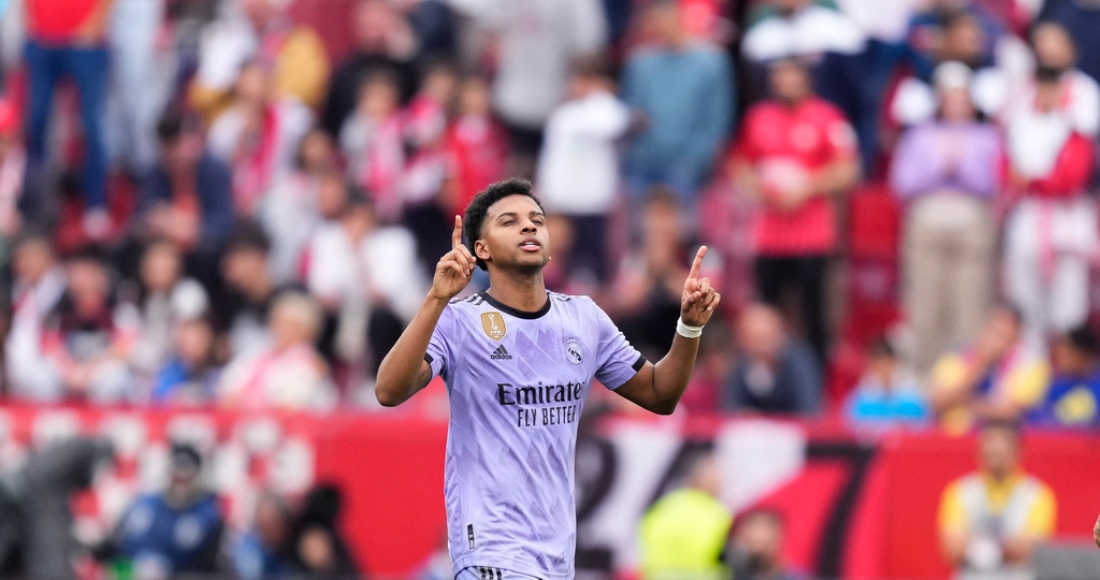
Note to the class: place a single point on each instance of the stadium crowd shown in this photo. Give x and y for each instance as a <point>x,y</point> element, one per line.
<point>219,214</point>
<point>204,204</point>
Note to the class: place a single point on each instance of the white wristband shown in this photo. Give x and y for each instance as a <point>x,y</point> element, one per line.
<point>686,330</point>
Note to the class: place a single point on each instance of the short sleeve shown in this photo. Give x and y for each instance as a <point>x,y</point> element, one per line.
<point>438,355</point>
<point>618,361</point>
<point>840,138</point>
<point>1042,515</point>
<point>952,515</point>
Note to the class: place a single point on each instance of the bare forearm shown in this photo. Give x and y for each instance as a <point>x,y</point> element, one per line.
<point>672,373</point>
<point>744,179</point>
<point>400,375</point>
<point>837,176</point>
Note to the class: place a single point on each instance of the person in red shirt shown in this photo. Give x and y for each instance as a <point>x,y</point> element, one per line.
<point>66,39</point>
<point>477,145</point>
<point>795,152</point>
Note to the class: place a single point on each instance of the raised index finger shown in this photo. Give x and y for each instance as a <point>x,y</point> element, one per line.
<point>456,235</point>
<point>697,263</point>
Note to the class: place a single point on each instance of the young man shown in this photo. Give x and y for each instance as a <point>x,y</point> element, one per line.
<point>518,362</point>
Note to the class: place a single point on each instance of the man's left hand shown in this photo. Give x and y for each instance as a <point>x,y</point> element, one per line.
<point>698,300</point>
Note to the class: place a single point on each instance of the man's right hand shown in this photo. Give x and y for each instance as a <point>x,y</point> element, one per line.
<point>454,269</point>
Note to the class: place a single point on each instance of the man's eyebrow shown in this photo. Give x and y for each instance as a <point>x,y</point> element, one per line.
<point>508,214</point>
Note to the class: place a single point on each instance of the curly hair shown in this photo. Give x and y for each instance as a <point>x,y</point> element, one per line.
<point>478,209</point>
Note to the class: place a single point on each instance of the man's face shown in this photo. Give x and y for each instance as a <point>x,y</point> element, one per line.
<point>514,235</point>
<point>242,268</point>
<point>182,153</point>
<point>999,450</point>
<point>790,82</point>
<point>372,21</point>
<point>32,260</point>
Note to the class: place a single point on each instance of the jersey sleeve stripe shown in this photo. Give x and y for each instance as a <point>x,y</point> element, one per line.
<point>638,364</point>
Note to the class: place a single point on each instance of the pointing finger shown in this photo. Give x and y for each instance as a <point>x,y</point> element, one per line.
<point>697,263</point>
<point>456,235</point>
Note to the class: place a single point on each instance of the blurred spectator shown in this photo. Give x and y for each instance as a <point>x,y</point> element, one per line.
<point>996,376</point>
<point>991,521</point>
<point>175,533</point>
<point>536,42</point>
<point>249,290</point>
<point>1056,57</point>
<point>1082,19</point>
<point>287,374</point>
<point>887,394</point>
<point>758,547</point>
<point>794,154</point>
<point>951,30</point>
<point>835,50</point>
<point>683,535</point>
<point>773,373</point>
<point>190,375</point>
<point>477,144</point>
<point>559,274</point>
<point>650,282</point>
<point>258,30</point>
<point>1073,399</point>
<point>70,43</point>
<point>426,166</point>
<point>320,550</point>
<point>684,88</point>
<point>712,370</point>
<point>373,142</point>
<point>187,198</point>
<point>578,169</point>
<point>1051,233</point>
<point>163,297</point>
<point>947,170</point>
<point>263,551</point>
<point>366,279</point>
<point>88,337</point>
<point>257,135</point>
<point>140,85</point>
<point>385,44</point>
<point>37,288</point>
<point>13,166</point>
<point>291,210</point>
<point>36,500</point>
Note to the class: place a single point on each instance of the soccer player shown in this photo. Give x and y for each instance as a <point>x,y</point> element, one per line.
<point>518,362</point>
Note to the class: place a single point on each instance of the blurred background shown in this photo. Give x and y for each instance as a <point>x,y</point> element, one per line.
<point>216,216</point>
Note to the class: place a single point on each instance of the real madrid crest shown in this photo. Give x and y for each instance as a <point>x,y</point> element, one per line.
<point>573,350</point>
<point>493,325</point>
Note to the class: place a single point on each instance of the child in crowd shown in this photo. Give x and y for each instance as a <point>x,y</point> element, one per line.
<point>477,144</point>
<point>888,393</point>
<point>372,140</point>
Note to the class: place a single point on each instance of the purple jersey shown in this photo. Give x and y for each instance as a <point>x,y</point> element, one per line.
<point>517,382</point>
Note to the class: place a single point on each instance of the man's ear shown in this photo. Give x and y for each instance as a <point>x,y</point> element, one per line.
<point>481,250</point>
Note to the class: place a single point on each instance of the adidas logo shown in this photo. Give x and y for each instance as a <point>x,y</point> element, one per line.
<point>500,353</point>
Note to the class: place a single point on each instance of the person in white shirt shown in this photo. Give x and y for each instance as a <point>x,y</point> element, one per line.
<point>578,170</point>
<point>38,286</point>
<point>258,136</point>
<point>537,40</point>
<point>367,280</point>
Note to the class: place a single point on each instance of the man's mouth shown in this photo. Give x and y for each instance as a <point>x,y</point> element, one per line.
<point>530,245</point>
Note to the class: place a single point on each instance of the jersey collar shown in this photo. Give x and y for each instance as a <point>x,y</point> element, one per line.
<point>515,312</point>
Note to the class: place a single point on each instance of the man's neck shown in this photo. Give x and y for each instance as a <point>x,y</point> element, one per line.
<point>525,292</point>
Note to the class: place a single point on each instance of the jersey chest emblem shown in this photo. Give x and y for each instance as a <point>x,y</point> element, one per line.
<point>573,350</point>
<point>493,325</point>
